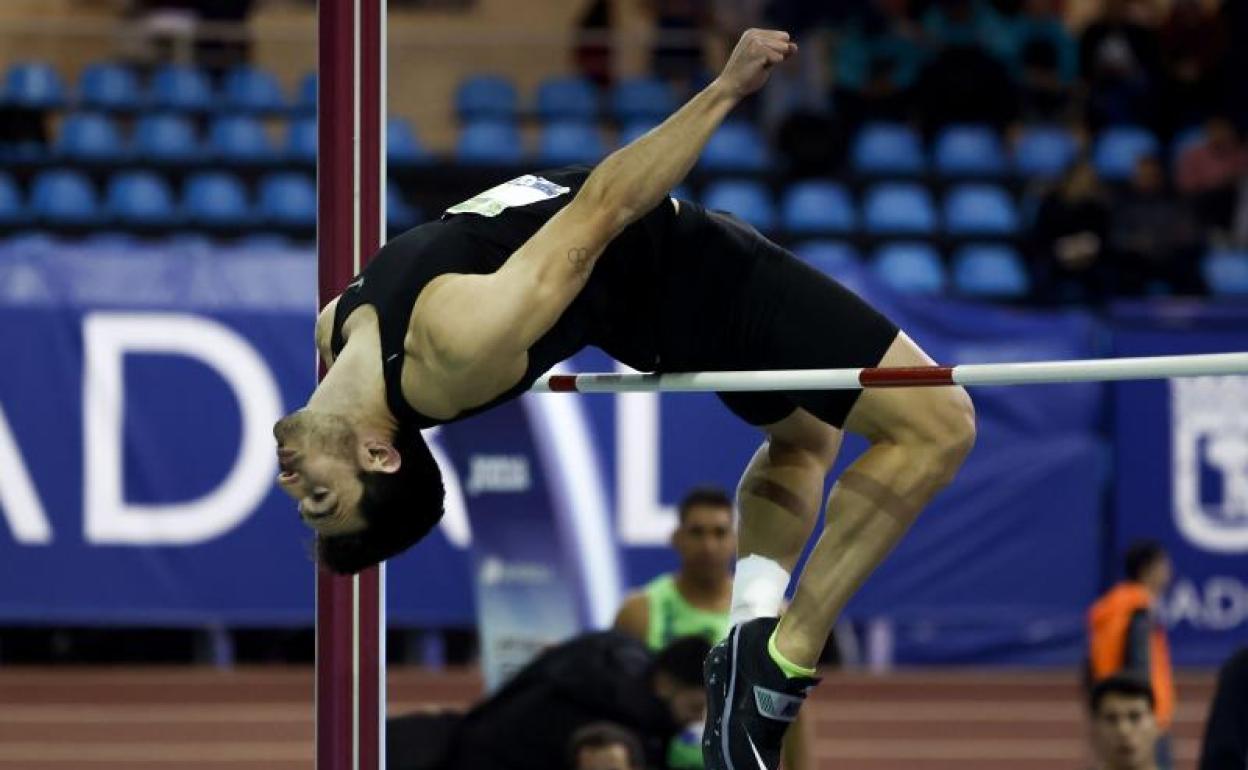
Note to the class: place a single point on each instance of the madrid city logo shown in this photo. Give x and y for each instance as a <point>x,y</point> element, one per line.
<point>1209,429</point>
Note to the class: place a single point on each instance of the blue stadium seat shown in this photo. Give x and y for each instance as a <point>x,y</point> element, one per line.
<point>305,99</point>
<point>567,98</point>
<point>1119,147</point>
<point>248,89</point>
<point>735,146</point>
<point>644,98</point>
<point>216,198</point>
<point>89,136</point>
<point>489,141</point>
<point>168,138</point>
<point>11,209</point>
<point>181,88</point>
<point>882,149</point>
<point>486,97</point>
<point>288,199</point>
<point>748,200</point>
<point>829,257</point>
<point>568,141</point>
<point>630,132</point>
<point>1044,152</point>
<point>301,140</point>
<point>969,150</point>
<point>402,144</point>
<point>909,268</point>
<point>898,208</point>
<point>239,139</point>
<point>64,197</point>
<point>980,209</point>
<point>990,270</point>
<point>817,207</point>
<point>36,85</point>
<point>1226,273</point>
<point>108,86</point>
<point>141,198</point>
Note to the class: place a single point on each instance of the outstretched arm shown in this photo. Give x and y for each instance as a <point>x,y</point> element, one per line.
<point>492,320</point>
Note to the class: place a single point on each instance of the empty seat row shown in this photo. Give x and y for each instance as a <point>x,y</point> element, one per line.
<point>887,208</point>
<point>1041,151</point>
<point>91,136</point>
<point>111,86</point>
<point>496,97</point>
<point>913,267</point>
<point>144,198</point>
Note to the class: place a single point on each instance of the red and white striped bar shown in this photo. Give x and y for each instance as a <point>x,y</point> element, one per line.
<point>350,227</point>
<point>1091,370</point>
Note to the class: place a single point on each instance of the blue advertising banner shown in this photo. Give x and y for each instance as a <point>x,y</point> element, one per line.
<point>1182,460</point>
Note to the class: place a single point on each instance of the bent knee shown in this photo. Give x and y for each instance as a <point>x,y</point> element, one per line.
<point>940,435</point>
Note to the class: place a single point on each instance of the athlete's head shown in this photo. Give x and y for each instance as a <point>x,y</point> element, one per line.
<point>368,499</point>
<point>1124,730</point>
<point>705,538</point>
<point>676,678</point>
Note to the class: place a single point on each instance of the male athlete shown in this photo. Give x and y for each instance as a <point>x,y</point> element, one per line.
<point>457,315</point>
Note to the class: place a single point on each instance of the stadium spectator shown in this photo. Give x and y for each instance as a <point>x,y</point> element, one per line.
<point>1120,61</point>
<point>1045,56</point>
<point>1154,237</point>
<point>878,56</point>
<point>1124,730</point>
<point>1069,238</point>
<point>1211,171</point>
<point>1193,44</point>
<point>1225,746</point>
<point>605,746</point>
<point>529,722</point>
<point>694,600</point>
<point>1125,637</point>
<point>677,55</point>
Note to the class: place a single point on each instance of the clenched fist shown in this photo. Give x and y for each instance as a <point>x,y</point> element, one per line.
<point>756,53</point>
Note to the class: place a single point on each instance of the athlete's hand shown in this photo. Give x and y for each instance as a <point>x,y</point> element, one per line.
<point>751,61</point>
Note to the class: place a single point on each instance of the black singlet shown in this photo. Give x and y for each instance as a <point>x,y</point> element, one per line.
<point>615,309</point>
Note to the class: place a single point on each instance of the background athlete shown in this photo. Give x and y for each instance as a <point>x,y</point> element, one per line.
<point>458,315</point>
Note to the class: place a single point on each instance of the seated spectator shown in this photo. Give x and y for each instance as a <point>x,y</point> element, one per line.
<point>1211,171</point>
<point>960,23</point>
<point>1124,730</point>
<point>677,56</point>
<point>965,84</point>
<point>877,58</point>
<point>1193,45</point>
<point>605,746</point>
<point>528,723</point>
<point>1045,58</point>
<point>1154,237</point>
<point>1069,237</point>
<point>1120,61</point>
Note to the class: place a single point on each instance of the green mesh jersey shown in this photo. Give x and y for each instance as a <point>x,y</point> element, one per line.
<point>672,617</point>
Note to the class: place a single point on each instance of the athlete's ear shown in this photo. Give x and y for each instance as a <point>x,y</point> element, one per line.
<point>382,457</point>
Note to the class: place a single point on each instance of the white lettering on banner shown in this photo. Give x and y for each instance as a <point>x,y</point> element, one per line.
<point>1209,434</point>
<point>18,501</point>
<point>1220,604</point>
<point>498,473</point>
<point>107,339</point>
<point>643,519</point>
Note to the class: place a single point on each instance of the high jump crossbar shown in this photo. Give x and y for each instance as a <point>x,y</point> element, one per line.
<point>1036,372</point>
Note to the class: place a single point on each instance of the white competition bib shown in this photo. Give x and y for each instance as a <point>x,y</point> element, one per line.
<point>518,192</point>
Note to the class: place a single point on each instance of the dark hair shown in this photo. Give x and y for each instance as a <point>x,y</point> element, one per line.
<point>398,510</point>
<point>707,495</point>
<point>1140,556</point>
<point>599,735</point>
<point>682,660</point>
<point>1120,684</point>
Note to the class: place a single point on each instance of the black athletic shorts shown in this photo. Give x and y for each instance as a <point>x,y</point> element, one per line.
<point>732,300</point>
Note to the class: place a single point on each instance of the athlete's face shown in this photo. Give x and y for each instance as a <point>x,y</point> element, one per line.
<point>1125,733</point>
<point>320,459</point>
<point>706,540</point>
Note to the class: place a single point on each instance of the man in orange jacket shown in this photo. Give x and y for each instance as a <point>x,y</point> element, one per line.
<point>1126,637</point>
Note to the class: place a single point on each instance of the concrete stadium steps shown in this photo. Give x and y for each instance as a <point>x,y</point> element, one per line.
<point>202,719</point>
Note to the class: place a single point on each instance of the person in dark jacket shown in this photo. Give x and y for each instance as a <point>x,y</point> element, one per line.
<point>528,723</point>
<point>1226,733</point>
